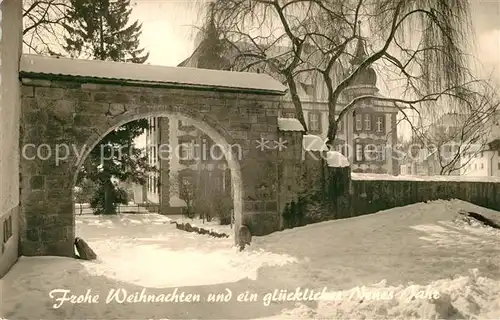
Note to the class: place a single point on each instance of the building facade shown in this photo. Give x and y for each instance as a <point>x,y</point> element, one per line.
<point>483,159</point>
<point>188,164</point>
<point>457,146</point>
<point>366,135</point>
<point>481,164</point>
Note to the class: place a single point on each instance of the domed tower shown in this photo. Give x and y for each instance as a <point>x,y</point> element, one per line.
<point>365,83</point>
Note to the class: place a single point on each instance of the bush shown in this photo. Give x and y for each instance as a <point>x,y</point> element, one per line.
<point>223,207</point>
<point>107,198</point>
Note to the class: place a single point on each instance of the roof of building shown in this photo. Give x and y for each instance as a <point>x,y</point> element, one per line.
<point>32,65</point>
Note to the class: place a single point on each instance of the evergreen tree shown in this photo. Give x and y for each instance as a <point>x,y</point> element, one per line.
<point>100,30</point>
<point>212,48</point>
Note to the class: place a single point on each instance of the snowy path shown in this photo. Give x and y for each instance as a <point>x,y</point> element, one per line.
<point>418,243</point>
<point>143,251</point>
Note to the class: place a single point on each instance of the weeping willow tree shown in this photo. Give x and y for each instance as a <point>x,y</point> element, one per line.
<point>422,46</point>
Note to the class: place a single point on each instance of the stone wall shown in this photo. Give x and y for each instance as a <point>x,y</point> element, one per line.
<point>332,193</point>
<point>78,114</point>
<point>370,196</point>
<point>10,50</point>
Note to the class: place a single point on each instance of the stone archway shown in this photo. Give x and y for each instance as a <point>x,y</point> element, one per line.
<point>217,134</point>
<point>69,105</point>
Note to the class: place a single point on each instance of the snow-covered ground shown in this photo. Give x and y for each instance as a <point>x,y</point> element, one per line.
<point>454,269</point>
<point>443,178</point>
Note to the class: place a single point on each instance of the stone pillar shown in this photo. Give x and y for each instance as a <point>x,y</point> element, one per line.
<point>164,153</point>
<point>47,209</point>
<point>10,106</point>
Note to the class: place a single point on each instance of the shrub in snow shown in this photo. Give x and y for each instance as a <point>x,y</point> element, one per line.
<point>107,198</point>
<point>189,228</point>
<point>294,214</point>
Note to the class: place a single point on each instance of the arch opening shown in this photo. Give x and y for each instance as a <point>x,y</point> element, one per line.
<point>217,134</point>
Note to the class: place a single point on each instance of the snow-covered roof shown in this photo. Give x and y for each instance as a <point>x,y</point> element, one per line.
<point>289,124</point>
<point>141,73</point>
<point>312,142</point>
<point>336,159</point>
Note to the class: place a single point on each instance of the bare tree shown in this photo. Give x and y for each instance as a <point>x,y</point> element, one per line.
<point>43,24</point>
<point>457,137</point>
<point>421,45</point>
<point>202,197</point>
<point>188,189</point>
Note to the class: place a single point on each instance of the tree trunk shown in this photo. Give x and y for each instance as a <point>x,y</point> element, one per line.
<point>332,132</point>
<point>296,101</point>
<point>109,207</point>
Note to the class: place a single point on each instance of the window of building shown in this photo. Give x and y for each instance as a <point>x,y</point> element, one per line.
<point>359,122</point>
<point>381,152</point>
<point>368,122</point>
<point>482,166</point>
<point>499,166</point>
<point>186,151</point>
<point>314,121</point>
<point>380,124</point>
<point>475,166</point>
<point>371,152</point>
<point>359,152</point>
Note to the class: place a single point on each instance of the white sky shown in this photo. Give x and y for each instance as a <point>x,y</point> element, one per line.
<point>168,31</point>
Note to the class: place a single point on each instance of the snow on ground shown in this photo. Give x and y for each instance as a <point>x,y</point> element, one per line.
<point>387,252</point>
<point>416,249</point>
<point>377,176</point>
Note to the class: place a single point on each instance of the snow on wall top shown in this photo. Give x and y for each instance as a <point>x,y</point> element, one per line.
<point>191,77</point>
<point>374,176</point>
<point>289,124</point>
<point>336,159</point>
<point>312,142</point>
